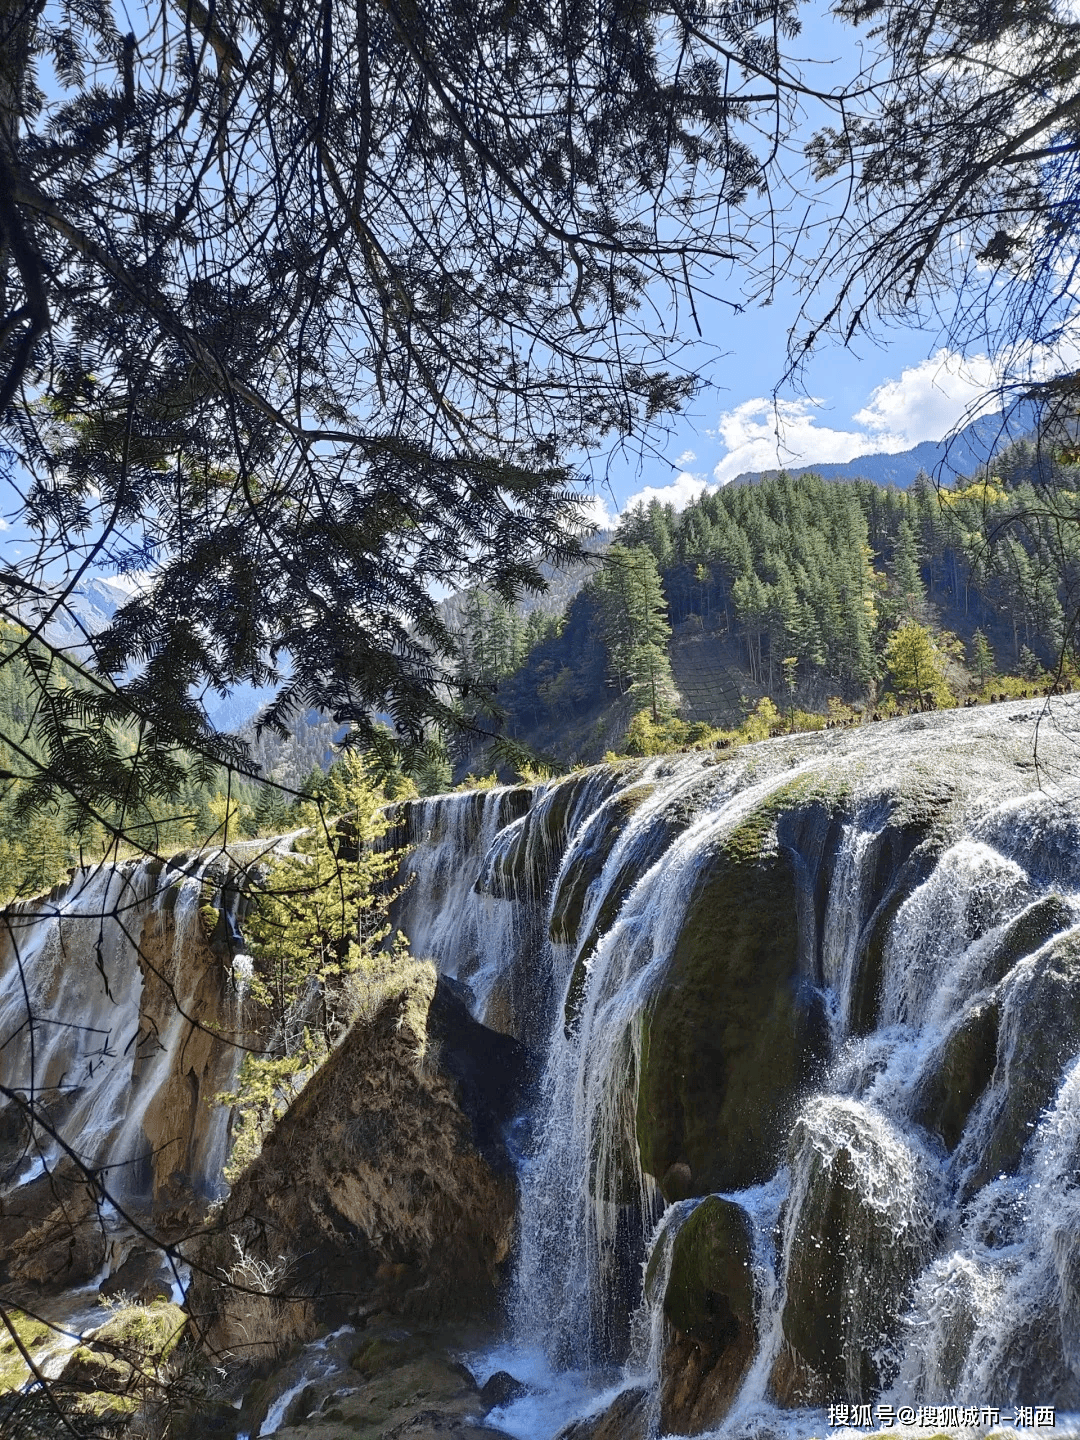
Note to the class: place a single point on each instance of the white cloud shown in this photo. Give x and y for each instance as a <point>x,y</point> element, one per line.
<point>684,488</point>
<point>759,435</point>
<point>928,401</point>
<point>931,399</point>
<point>686,458</point>
<point>594,511</point>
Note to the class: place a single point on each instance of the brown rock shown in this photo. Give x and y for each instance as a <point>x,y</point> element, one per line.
<point>709,1304</point>
<point>626,1418</point>
<point>698,1382</point>
<point>376,1164</point>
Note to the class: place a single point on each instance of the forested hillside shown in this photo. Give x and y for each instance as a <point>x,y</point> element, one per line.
<point>805,591</point>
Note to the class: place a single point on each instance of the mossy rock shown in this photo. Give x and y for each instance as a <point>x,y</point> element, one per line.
<point>710,1290</point>
<point>129,1346</point>
<point>948,1093</point>
<point>861,1231</point>
<point>588,862</point>
<point>380,1354</point>
<point>1029,932</point>
<point>735,1033</point>
<point>1040,1035</point>
<point>33,1334</point>
<point>528,864</point>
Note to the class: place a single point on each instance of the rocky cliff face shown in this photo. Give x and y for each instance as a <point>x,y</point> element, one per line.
<point>383,1187</point>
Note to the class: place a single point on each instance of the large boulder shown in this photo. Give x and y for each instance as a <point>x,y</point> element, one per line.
<point>378,1188</point>
<point>859,1227</point>
<point>737,1029</point>
<point>709,1306</point>
<point>51,1232</point>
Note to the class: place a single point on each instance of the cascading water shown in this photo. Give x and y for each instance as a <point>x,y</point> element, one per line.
<point>933,920</point>
<point>806,1027</point>
<point>118,1028</point>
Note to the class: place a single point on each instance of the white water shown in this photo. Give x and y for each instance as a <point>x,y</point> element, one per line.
<point>993,1264</point>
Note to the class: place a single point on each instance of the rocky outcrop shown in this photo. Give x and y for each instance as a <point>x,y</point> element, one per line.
<point>737,1029</point>
<point>860,1225</point>
<point>951,1087</point>
<point>626,1418</point>
<point>709,1306</point>
<point>380,1188</point>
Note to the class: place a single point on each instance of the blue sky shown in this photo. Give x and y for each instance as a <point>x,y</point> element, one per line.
<point>886,393</point>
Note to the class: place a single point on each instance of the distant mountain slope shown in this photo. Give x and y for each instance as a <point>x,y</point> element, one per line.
<point>944,460</point>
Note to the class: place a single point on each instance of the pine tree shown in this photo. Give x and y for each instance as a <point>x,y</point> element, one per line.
<point>981,657</point>
<point>635,626</point>
<point>906,576</point>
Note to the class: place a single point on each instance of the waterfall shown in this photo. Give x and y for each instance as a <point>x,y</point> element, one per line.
<point>118,1027</point>
<point>933,919</point>
<point>807,1013</point>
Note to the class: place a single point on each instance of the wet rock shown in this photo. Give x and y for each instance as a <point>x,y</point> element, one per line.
<point>302,1406</point>
<point>525,868</point>
<point>419,1394</point>
<point>491,1069</point>
<point>1039,1036</point>
<point>1029,932</point>
<point>710,1290</point>
<point>52,1233</point>
<point>500,1389</point>
<point>699,1382</point>
<point>677,1182</point>
<point>903,857</point>
<point>960,1075</point>
<point>795,1385</point>
<point>626,1418</point>
<point>590,856</point>
<point>434,1425</point>
<point>709,1303</point>
<point>736,1032</point>
<point>858,1230</point>
<point>144,1276</point>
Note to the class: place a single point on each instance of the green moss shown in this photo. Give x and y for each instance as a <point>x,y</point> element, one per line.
<point>710,1292</point>
<point>134,1342</point>
<point>33,1334</point>
<point>734,1034</point>
<point>209,917</point>
<point>379,1355</point>
<point>755,835</point>
<point>106,1407</point>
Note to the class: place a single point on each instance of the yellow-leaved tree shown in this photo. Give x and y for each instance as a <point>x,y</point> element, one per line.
<point>915,666</point>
